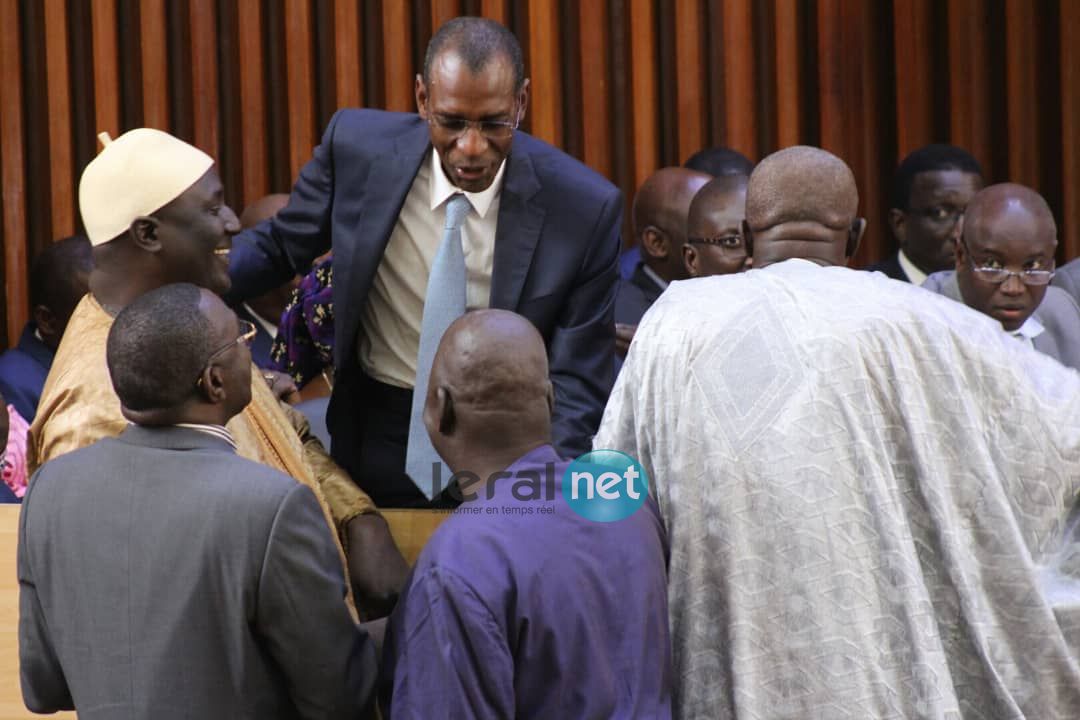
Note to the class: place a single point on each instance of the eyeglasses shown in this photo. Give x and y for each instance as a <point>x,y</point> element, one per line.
<point>998,275</point>
<point>490,129</point>
<point>940,214</point>
<point>728,244</point>
<point>247,334</point>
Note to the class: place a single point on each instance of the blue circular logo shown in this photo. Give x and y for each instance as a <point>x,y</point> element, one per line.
<point>605,485</point>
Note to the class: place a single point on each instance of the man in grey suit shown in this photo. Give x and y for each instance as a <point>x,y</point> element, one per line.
<point>1067,278</point>
<point>163,576</point>
<point>1004,262</point>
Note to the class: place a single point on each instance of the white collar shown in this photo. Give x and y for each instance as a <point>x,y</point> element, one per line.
<point>914,274</point>
<point>442,188</point>
<point>218,431</point>
<point>1031,329</point>
<point>661,282</point>
<point>269,327</point>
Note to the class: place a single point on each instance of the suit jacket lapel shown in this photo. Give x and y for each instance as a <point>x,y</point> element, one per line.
<point>389,178</point>
<point>517,232</point>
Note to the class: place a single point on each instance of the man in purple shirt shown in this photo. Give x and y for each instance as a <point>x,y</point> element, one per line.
<point>519,607</point>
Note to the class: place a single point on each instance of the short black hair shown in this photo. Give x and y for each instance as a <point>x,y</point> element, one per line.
<point>54,272</point>
<point>157,347</point>
<point>929,158</point>
<point>720,161</point>
<point>476,41</point>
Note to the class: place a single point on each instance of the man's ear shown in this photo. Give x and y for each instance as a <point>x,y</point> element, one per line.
<point>523,99</point>
<point>748,239</point>
<point>144,232</point>
<point>421,96</point>
<point>690,259</point>
<point>654,242</point>
<point>444,410</point>
<point>961,253</point>
<point>212,384</point>
<point>898,225</point>
<point>855,233</point>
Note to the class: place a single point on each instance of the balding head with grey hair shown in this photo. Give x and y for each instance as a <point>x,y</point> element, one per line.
<point>801,202</point>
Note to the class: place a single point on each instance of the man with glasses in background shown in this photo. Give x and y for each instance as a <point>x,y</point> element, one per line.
<point>660,209</point>
<point>714,242</point>
<point>931,188</point>
<point>433,214</point>
<point>1004,264</point>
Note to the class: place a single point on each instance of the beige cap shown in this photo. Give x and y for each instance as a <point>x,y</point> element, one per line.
<point>135,175</point>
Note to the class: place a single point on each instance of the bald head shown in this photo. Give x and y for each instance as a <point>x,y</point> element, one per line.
<point>801,202</point>
<point>661,206</point>
<point>1007,227</point>
<point>714,244</point>
<point>991,204</point>
<point>263,209</point>
<point>489,388</point>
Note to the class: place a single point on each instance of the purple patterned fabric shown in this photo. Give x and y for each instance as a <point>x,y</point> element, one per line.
<point>304,346</point>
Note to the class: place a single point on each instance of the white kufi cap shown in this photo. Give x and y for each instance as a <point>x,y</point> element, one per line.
<point>135,175</point>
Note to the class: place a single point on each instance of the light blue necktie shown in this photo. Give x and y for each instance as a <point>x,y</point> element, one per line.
<point>443,304</point>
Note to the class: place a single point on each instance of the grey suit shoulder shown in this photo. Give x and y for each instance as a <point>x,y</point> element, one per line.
<point>217,573</point>
<point>1067,278</point>
<point>1058,313</point>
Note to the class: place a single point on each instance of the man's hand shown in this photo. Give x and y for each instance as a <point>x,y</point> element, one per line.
<point>376,568</point>
<point>624,334</point>
<point>282,385</point>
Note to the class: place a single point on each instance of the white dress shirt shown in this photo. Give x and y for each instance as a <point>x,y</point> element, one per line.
<point>390,321</point>
<point>914,274</point>
<point>1027,332</point>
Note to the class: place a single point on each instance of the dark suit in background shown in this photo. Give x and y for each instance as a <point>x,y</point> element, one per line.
<point>891,267</point>
<point>556,249</point>
<point>635,296</point>
<point>23,370</point>
<point>161,576</point>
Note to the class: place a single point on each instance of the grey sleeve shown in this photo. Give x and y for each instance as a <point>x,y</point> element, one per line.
<point>301,614</point>
<point>44,687</point>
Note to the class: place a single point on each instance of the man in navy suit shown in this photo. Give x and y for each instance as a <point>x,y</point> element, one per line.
<point>541,238</point>
<point>931,189</point>
<point>58,280</point>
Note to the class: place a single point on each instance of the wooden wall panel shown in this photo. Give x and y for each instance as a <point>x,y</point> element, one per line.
<point>740,81</point>
<point>546,83</point>
<point>595,88</point>
<point>913,22</point>
<point>691,65</point>
<point>397,43</point>
<point>627,85</point>
<point>155,69</point>
<point>301,83</point>
<point>969,78</point>
<point>106,67</point>
<point>644,107</point>
<point>13,215</point>
<point>1021,74</point>
<point>253,150</point>
<point>1070,127</point>
<point>58,82</point>
<point>204,75</point>
<point>348,54</point>
<point>788,74</point>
